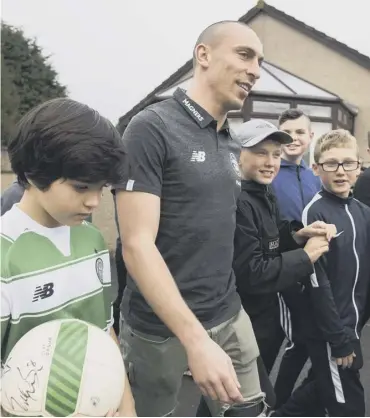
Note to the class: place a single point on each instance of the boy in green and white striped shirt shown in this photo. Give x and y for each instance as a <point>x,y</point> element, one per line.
<point>54,264</point>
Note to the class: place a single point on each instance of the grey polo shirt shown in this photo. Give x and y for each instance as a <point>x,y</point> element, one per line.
<point>13,194</point>
<point>175,152</point>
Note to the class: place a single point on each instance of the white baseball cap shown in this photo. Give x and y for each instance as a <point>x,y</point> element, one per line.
<point>255,131</point>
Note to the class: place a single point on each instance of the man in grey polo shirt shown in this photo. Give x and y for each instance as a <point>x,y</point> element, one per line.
<point>176,207</point>
<point>13,194</point>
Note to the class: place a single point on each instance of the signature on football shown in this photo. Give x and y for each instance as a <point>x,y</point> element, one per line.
<point>27,386</point>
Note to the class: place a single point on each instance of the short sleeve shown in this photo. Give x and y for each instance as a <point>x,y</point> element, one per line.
<point>145,149</point>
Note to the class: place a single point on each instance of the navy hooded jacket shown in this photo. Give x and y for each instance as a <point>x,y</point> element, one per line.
<point>294,187</point>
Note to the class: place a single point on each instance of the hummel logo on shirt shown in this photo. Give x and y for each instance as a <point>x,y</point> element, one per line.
<point>198,156</point>
<point>42,292</point>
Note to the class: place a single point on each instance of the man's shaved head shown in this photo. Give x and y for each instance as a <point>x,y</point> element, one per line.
<point>226,60</point>
<point>213,34</point>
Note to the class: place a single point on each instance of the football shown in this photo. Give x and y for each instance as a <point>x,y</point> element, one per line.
<point>61,368</point>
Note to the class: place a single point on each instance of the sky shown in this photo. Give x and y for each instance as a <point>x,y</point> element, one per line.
<point>112,53</point>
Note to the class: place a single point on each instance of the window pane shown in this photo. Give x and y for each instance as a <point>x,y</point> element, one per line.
<point>269,107</point>
<point>299,86</point>
<point>235,122</point>
<point>344,117</point>
<point>268,83</point>
<point>340,115</point>
<point>314,110</point>
<point>350,123</point>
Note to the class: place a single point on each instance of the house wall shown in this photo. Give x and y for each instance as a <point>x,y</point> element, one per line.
<point>7,176</point>
<point>313,61</point>
<point>6,180</point>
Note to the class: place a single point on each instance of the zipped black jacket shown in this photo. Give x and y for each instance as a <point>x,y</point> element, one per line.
<point>266,257</point>
<point>339,287</point>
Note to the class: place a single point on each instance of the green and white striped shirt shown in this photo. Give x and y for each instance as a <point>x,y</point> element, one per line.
<point>51,273</point>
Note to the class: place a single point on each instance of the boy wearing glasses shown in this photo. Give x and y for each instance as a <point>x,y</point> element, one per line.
<point>339,287</point>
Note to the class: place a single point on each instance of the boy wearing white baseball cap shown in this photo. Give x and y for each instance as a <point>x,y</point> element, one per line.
<point>270,254</point>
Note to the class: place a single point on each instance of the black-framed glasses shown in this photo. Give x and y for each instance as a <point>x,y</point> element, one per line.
<point>333,166</point>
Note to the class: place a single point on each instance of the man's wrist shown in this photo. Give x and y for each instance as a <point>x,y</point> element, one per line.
<point>192,334</point>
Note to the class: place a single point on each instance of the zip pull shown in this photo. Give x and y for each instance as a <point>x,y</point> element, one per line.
<point>298,173</point>
<point>300,185</point>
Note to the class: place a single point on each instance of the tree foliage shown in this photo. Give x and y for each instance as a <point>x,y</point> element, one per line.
<point>27,78</point>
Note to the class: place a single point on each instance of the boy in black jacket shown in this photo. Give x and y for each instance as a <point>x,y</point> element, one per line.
<point>267,255</point>
<point>261,269</point>
<point>340,284</point>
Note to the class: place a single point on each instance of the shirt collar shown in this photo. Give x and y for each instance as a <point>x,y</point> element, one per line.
<point>197,113</point>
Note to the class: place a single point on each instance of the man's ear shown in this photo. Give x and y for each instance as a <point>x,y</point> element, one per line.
<point>202,55</point>
<point>312,134</point>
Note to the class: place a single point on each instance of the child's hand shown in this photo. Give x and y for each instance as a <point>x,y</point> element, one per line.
<point>316,247</point>
<point>316,229</point>
<point>345,361</point>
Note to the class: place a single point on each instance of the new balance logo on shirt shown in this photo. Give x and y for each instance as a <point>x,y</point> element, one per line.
<point>43,292</point>
<point>198,156</point>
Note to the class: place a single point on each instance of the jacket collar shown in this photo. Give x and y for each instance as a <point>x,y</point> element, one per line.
<point>334,197</point>
<point>252,186</point>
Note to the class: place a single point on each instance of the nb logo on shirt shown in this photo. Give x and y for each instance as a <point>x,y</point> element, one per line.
<point>43,292</point>
<point>198,156</point>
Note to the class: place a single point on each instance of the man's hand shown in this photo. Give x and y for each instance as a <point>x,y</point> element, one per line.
<point>316,247</point>
<point>213,371</point>
<point>345,361</point>
<point>316,229</point>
